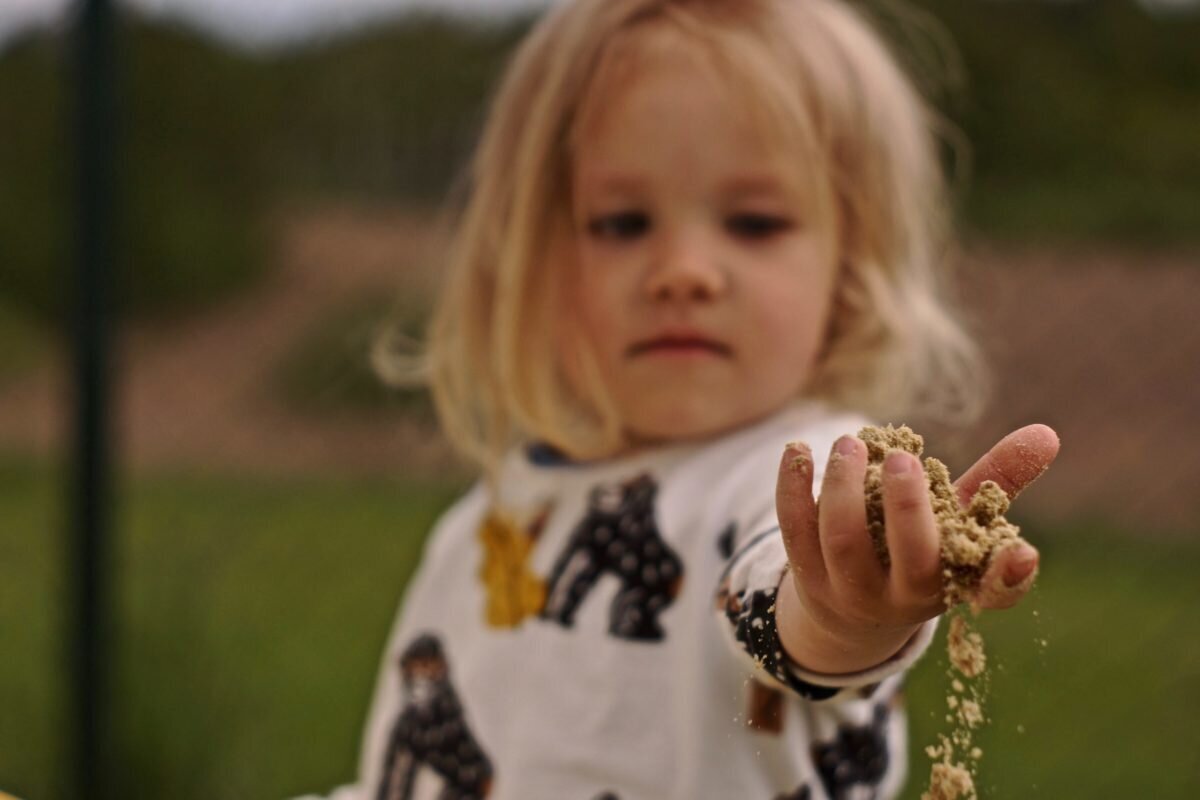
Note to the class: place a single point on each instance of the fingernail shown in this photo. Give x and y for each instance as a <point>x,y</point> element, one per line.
<point>845,446</point>
<point>1020,566</point>
<point>897,462</point>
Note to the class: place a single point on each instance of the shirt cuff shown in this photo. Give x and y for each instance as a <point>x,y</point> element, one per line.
<point>908,655</point>
<point>746,603</point>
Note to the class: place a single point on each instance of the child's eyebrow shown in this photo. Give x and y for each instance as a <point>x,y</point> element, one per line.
<point>751,184</point>
<point>613,182</point>
<point>756,185</point>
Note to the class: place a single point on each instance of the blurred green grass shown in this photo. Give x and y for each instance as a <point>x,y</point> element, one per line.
<point>251,618</point>
<point>1106,708</point>
<point>253,613</point>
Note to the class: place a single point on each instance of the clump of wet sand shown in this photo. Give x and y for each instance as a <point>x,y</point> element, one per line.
<point>970,539</point>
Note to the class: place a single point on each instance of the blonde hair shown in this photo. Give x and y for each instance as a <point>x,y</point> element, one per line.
<point>817,77</point>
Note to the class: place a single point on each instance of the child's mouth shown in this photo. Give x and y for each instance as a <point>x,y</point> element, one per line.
<point>680,346</point>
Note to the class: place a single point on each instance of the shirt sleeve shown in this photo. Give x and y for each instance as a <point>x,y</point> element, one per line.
<point>745,607</point>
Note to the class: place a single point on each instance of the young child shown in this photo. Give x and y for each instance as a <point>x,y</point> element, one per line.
<point>698,231</point>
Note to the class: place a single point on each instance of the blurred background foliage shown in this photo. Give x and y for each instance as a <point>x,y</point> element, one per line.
<point>253,605</point>
<point>214,137</point>
<point>1082,118</point>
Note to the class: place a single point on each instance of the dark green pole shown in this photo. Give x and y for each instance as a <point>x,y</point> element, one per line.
<point>93,78</point>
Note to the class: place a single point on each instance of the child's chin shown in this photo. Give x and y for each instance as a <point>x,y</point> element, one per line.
<point>683,424</point>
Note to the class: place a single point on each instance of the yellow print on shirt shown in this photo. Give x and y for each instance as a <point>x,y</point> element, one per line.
<point>513,590</point>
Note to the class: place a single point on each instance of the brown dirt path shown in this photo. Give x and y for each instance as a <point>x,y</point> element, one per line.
<point>1099,343</point>
<point>192,392</point>
<point>1104,346</point>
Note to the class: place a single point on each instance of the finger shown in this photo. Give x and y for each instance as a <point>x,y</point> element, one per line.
<point>849,554</point>
<point>1014,462</point>
<point>1009,577</point>
<point>797,511</point>
<point>912,535</point>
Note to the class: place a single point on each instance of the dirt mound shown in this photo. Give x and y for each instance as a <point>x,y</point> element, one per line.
<point>193,392</point>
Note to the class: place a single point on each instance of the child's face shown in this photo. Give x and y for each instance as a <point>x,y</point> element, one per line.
<point>702,288</point>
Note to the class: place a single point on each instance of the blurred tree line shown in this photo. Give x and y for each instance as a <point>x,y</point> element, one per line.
<point>1083,120</point>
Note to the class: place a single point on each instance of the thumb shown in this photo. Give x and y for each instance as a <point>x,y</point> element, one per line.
<point>797,511</point>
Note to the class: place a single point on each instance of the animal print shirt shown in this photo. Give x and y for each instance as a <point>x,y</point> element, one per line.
<point>605,631</point>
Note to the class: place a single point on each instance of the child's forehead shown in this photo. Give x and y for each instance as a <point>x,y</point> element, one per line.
<point>636,53</point>
<point>629,68</point>
<point>639,52</point>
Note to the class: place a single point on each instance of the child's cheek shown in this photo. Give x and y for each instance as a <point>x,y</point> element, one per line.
<point>793,326</point>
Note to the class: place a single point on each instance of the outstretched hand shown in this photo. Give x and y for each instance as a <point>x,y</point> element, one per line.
<point>842,610</point>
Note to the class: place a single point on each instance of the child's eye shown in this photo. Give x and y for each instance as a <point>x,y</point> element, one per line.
<point>623,225</point>
<point>756,226</point>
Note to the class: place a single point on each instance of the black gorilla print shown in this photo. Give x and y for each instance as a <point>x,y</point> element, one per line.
<point>432,731</point>
<point>857,757</point>
<point>618,536</point>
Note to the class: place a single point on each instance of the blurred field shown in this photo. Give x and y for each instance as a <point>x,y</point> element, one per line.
<point>1105,708</point>
<point>276,378</point>
<point>275,209</point>
<point>252,613</point>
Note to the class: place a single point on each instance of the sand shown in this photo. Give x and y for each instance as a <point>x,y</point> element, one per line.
<point>970,538</point>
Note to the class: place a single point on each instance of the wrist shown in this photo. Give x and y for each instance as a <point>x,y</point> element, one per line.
<point>830,648</point>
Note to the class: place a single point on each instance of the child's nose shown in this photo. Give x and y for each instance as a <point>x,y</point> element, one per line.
<point>685,267</point>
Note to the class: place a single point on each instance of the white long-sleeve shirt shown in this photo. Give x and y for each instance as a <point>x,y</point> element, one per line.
<point>606,630</point>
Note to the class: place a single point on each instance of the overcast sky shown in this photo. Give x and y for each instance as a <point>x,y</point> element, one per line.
<point>258,21</point>
<point>270,21</point>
